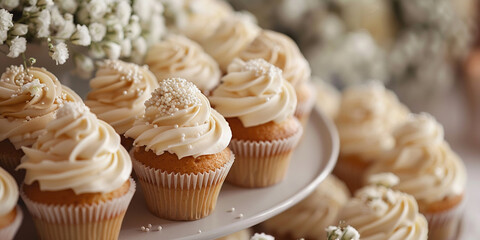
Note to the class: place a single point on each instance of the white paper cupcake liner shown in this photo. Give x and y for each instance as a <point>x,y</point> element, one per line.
<point>444,225</point>
<point>304,108</point>
<point>8,232</point>
<point>97,221</point>
<point>261,163</point>
<point>177,196</point>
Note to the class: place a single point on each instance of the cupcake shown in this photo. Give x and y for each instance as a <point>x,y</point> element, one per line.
<point>368,113</point>
<point>197,19</point>
<point>430,171</point>
<point>117,94</point>
<point>178,56</point>
<point>378,212</point>
<point>28,101</point>
<point>10,214</point>
<point>328,98</point>
<point>309,218</point>
<point>259,105</point>
<point>233,35</point>
<point>77,182</point>
<point>181,155</point>
<point>281,51</point>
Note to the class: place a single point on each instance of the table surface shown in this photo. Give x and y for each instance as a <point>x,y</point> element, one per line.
<point>452,110</point>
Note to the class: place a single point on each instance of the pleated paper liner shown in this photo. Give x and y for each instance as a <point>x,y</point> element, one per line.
<point>100,221</point>
<point>178,196</point>
<point>444,225</point>
<point>261,163</point>
<point>8,232</point>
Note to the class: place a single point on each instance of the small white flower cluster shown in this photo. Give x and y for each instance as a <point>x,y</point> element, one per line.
<point>109,28</point>
<point>261,236</point>
<point>342,233</point>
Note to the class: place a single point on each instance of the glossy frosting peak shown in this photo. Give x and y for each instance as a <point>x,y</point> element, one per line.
<point>8,193</point>
<point>118,93</point>
<point>368,114</point>
<point>426,165</point>
<point>178,56</point>
<point>281,51</point>
<point>380,213</point>
<point>255,92</point>
<point>178,119</point>
<point>28,102</point>
<point>78,152</point>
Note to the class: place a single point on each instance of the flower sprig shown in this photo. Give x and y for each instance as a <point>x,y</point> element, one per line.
<point>342,232</point>
<point>108,28</point>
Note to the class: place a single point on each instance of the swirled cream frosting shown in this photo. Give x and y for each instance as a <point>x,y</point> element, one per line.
<point>233,35</point>
<point>178,119</point>
<point>178,56</point>
<point>198,19</point>
<point>368,114</point>
<point>309,218</point>
<point>426,165</point>
<point>28,101</point>
<point>118,93</point>
<point>78,152</point>
<point>327,97</point>
<point>380,213</point>
<point>8,192</point>
<point>281,51</point>
<point>255,92</point>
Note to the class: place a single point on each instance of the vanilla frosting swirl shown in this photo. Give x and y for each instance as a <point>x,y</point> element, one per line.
<point>428,169</point>
<point>233,35</point>
<point>78,152</point>
<point>255,92</point>
<point>309,218</point>
<point>368,113</point>
<point>28,102</point>
<point>281,51</point>
<point>118,93</point>
<point>380,213</point>
<point>8,192</point>
<point>178,56</point>
<point>178,119</point>
<point>198,19</point>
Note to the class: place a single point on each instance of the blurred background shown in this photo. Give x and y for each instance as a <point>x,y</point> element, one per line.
<point>427,51</point>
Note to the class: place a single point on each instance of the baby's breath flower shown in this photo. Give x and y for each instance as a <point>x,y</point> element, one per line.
<point>81,36</point>
<point>9,4</point>
<point>43,21</point>
<point>261,236</point>
<point>67,29</point>
<point>97,31</point>
<point>59,53</point>
<point>123,12</point>
<point>112,50</point>
<point>19,29</point>
<point>139,49</point>
<point>70,6</point>
<point>116,33</point>
<point>97,9</point>
<point>5,20</point>
<point>126,45</point>
<point>18,45</point>
<point>84,66</point>
<point>46,3</point>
